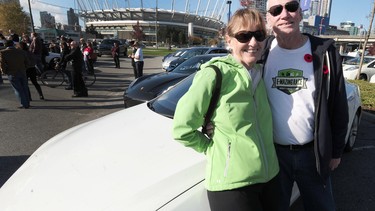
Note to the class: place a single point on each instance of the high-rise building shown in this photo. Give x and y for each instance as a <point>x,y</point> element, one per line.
<point>47,20</point>
<point>72,17</point>
<point>325,8</point>
<point>260,5</point>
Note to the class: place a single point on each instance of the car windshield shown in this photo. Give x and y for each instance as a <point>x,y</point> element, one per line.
<point>191,65</point>
<point>193,52</point>
<point>166,103</point>
<point>356,60</point>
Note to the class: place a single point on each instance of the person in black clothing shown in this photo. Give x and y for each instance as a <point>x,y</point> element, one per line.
<point>65,50</point>
<point>76,57</point>
<point>116,54</point>
<point>15,37</point>
<point>31,70</point>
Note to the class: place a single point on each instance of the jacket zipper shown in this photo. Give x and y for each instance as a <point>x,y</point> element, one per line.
<point>261,142</point>
<point>227,160</point>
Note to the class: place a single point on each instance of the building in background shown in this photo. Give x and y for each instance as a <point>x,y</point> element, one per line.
<point>47,20</point>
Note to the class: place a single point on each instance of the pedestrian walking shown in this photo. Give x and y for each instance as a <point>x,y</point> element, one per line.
<point>14,62</point>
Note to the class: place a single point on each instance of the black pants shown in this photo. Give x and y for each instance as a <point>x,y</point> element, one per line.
<point>31,74</point>
<point>79,86</point>
<point>116,59</point>
<point>257,197</point>
<point>139,68</point>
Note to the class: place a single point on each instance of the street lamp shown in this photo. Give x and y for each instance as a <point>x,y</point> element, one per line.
<point>31,17</point>
<point>229,3</point>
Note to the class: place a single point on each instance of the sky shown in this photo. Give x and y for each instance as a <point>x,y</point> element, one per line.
<point>342,10</point>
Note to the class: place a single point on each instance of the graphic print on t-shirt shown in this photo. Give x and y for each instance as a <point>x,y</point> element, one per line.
<point>289,81</point>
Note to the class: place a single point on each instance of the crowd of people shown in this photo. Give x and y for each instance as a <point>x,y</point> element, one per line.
<point>24,57</point>
<point>80,54</point>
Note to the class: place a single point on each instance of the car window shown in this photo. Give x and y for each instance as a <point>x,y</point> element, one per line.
<point>191,65</point>
<point>219,51</point>
<point>356,60</point>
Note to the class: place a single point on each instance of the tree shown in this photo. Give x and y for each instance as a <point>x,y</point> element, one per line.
<point>138,32</point>
<point>13,17</point>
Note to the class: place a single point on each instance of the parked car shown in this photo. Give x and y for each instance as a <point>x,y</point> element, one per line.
<point>105,46</point>
<point>126,160</point>
<point>345,57</point>
<point>355,62</point>
<point>50,59</point>
<point>367,71</point>
<point>171,54</point>
<point>372,79</point>
<point>170,57</point>
<point>148,87</point>
<point>190,52</point>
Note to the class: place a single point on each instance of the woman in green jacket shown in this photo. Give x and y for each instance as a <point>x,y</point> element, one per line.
<point>241,159</point>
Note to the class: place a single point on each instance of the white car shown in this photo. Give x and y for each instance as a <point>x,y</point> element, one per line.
<point>372,79</point>
<point>367,71</point>
<point>50,59</point>
<point>126,160</point>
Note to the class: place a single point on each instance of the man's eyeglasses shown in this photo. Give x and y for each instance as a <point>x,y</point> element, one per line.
<point>246,36</point>
<point>290,7</point>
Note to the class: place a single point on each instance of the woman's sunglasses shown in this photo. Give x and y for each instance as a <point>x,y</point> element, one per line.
<point>290,7</point>
<point>246,36</point>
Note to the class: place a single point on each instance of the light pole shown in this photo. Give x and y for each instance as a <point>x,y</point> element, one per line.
<point>156,24</point>
<point>31,17</point>
<point>229,3</point>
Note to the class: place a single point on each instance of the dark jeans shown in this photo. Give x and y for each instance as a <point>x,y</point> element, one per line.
<point>116,59</point>
<point>299,166</point>
<point>139,68</point>
<point>20,87</point>
<point>31,74</point>
<point>257,197</point>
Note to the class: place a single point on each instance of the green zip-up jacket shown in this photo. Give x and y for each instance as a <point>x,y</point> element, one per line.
<point>241,151</point>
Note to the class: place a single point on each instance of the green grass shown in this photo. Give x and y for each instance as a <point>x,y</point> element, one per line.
<point>156,52</point>
<point>367,93</point>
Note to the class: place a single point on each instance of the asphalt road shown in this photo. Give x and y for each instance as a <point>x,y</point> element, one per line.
<point>23,131</point>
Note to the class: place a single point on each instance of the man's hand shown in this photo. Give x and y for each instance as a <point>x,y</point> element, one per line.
<point>335,162</point>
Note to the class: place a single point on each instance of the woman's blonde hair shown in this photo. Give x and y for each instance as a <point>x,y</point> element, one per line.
<point>245,17</point>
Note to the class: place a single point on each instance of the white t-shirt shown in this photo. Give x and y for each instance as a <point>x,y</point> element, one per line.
<point>139,54</point>
<point>289,79</point>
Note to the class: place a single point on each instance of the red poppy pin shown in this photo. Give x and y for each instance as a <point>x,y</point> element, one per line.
<point>308,58</point>
<point>325,69</point>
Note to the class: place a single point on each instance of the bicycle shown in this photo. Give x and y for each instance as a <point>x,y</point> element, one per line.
<point>56,77</point>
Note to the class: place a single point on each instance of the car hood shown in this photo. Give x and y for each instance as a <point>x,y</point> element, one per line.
<point>127,160</point>
<point>148,87</point>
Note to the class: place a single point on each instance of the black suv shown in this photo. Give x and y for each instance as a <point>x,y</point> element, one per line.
<point>105,46</point>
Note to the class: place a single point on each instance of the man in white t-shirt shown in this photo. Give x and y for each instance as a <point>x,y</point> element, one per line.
<point>306,90</point>
<point>138,59</point>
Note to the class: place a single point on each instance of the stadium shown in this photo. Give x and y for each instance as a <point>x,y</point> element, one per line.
<point>116,19</point>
